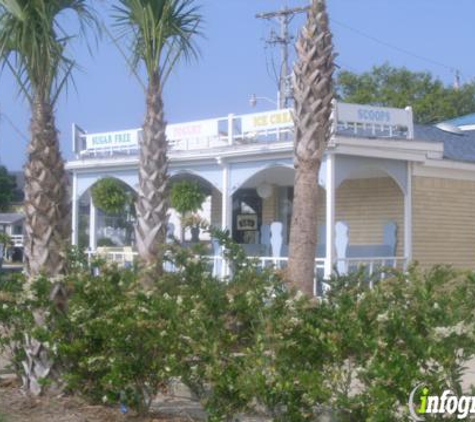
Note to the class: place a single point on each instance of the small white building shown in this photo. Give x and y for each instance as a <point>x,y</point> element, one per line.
<point>12,225</point>
<point>390,191</point>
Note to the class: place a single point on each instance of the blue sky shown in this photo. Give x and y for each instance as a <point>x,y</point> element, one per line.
<point>433,35</point>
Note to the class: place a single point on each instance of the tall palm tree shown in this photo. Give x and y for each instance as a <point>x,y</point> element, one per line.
<point>313,95</point>
<point>162,32</point>
<point>32,46</point>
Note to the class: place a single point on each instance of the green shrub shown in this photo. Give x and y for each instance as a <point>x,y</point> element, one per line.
<point>105,241</point>
<point>248,344</point>
<point>110,195</point>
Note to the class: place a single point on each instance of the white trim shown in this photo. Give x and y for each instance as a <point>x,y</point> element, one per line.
<point>226,209</point>
<point>403,145</point>
<point>330,215</point>
<point>445,169</point>
<point>375,152</point>
<point>92,226</point>
<point>408,215</point>
<point>254,150</point>
<point>74,211</point>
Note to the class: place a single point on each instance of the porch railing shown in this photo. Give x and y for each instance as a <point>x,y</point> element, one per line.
<point>373,266</point>
<point>271,126</point>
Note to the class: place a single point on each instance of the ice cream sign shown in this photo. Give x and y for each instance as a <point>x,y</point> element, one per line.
<point>278,119</point>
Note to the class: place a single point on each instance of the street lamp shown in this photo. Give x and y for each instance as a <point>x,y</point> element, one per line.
<point>253,100</point>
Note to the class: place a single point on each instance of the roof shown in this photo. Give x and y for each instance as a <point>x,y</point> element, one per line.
<point>459,147</point>
<point>11,218</point>
<point>466,120</point>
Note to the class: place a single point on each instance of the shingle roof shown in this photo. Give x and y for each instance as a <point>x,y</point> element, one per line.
<point>10,218</point>
<point>468,119</point>
<point>456,147</point>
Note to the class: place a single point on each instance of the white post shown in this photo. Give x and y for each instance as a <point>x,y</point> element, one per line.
<point>330,217</point>
<point>226,210</point>
<point>230,129</point>
<point>408,215</point>
<point>74,212</point>
<point>410,123</point>
<point>92,226</point>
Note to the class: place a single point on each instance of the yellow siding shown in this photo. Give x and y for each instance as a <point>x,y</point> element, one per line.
<point>216,207</point>
<point>444,222</point>
<point>269,205</point>
<point>366,205</point>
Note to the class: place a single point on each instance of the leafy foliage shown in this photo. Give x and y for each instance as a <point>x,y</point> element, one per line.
<point>251,345</point>
<point>110,195</point>
<point>7,188</point>
<point>388,86</point>
<point>187,196</point>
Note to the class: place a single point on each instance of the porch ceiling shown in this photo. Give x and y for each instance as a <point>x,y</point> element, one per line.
<point>280,176</point>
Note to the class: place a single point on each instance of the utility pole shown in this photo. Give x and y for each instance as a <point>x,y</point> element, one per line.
<point>457,80</point>
<point>284,17</point>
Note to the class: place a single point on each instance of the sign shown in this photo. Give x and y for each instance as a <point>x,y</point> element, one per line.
<point>111,140</point>
<point>279,119</point>
<point>198,129</point>
<point>246,222</point>
<point>355,113</point>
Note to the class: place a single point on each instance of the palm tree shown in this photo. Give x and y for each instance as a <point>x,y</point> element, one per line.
<point>32,46</point>
<point>162,31</point>
<point>313,95</point>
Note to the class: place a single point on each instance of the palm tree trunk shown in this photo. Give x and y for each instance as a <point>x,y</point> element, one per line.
<point>152,200</point>
<point>47,233</point>
<point>47,229</point>
<point>313,94</point>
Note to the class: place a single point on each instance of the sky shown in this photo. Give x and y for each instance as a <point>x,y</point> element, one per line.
<point>235,62</point>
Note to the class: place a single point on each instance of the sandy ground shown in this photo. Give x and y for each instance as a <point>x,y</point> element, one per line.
<point>16,407</point>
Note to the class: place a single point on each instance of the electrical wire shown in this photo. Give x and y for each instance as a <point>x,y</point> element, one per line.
<point>394,47</point>
<point>14,127</point>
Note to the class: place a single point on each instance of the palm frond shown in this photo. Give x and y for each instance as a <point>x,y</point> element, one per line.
<point>160,33</point>
<point>33,45</point>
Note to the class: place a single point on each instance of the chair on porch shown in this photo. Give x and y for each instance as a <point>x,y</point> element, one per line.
<point>375,255</point>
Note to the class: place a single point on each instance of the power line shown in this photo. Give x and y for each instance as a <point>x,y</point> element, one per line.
<point>14,127</point>
<point>395,47</point>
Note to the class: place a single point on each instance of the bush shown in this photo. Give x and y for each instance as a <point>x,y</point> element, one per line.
<point>110,195</point>
<point>105,242</point>
<point>251,345</point>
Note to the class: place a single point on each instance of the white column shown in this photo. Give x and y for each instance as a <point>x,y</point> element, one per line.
<point>74,211</point>
<point>226,209</point>
<point>330,215</point>
<point>92,226</point>
<point>408,215</point>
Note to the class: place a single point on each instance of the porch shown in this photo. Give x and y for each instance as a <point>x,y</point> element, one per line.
<point>364,215</point>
